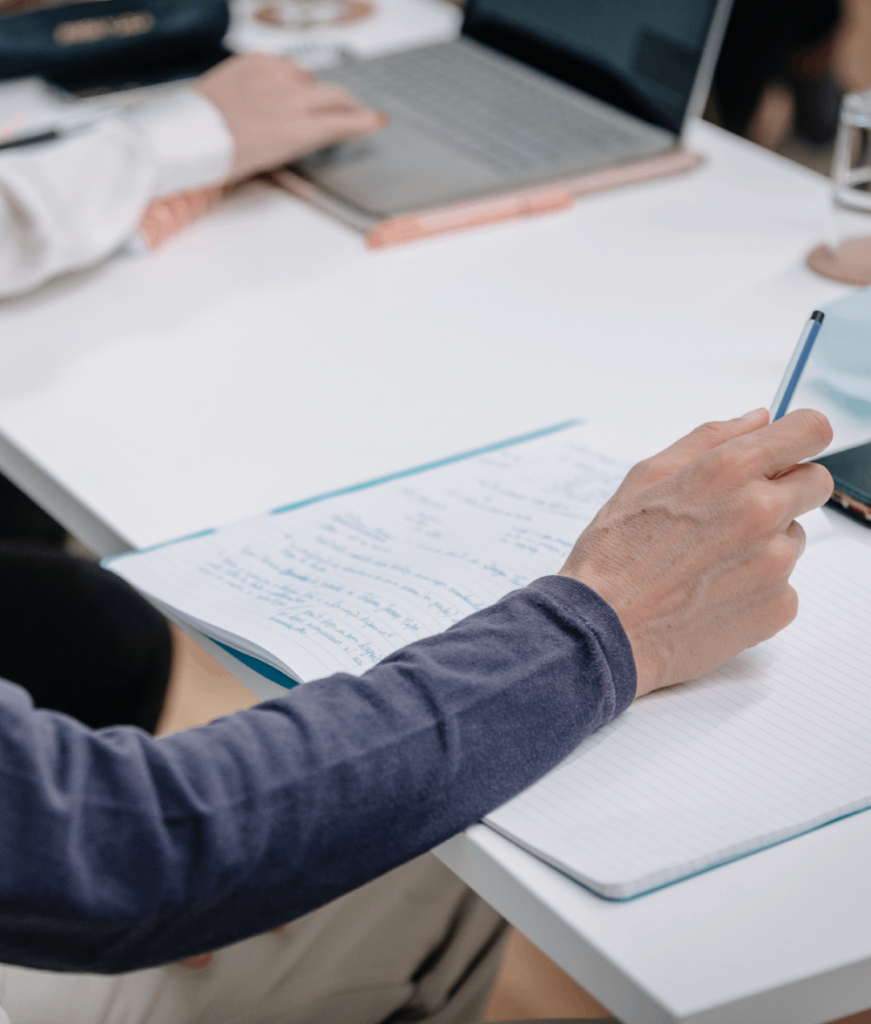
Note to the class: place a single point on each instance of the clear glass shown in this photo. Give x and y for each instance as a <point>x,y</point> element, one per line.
<point>837,380</point>
<point>846,254</point>
<point>851,166</point>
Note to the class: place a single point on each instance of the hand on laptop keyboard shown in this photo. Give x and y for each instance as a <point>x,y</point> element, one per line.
<point>490,111</point>
<point>278,112</point>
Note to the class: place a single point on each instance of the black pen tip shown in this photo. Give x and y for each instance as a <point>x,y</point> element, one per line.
<point>818,316</point>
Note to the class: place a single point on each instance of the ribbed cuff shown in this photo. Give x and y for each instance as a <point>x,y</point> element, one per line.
<point>583,606</point>
<point>187,139</point>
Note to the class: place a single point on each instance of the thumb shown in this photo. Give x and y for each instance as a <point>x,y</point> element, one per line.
<point>704,439</point>
<point>342,126</point>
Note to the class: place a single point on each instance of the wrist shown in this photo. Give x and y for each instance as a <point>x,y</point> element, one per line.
<point>585,609</point>
<point>187,140</point>
<point>648,670</point>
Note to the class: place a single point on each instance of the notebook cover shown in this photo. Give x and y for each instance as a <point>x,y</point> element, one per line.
<point>851,471</point>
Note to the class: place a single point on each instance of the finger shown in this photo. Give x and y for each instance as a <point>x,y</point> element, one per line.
<point>778,447</point>
<point>703,439</point>
<point>323,98</point>
<point>804,488</point>
<point>795,531</point>
<point>334,128</point>
<point>297,71</point>
<point>273,64</point>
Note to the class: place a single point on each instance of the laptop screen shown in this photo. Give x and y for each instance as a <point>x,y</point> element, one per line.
<point>639,55</point>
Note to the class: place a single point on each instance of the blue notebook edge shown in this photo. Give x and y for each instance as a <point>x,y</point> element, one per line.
<point>621,892</point>
<point>427,466</point>
<point>259,666</point>
<point>414,470</point>
<point>263,668</point>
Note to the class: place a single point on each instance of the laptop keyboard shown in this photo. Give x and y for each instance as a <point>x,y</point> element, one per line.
<point>486,108</point>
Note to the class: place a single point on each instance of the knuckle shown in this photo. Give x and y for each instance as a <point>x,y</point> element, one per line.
<point>786,607</point>
<point>721,460</point>
<point>778,613</point>
<point>731,464</point>
<point>756,506</point>
<point>796,533</point>
<point>646,473</point>
<point>821,479</point>
<point>765,508</point>
<point>816,425</point>
<point>782,555</point>
<point>775,614</point>
<point>712,432</point>
<point>642,470</point>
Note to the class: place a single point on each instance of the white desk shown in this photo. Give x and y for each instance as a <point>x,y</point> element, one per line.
<point>264,356</point>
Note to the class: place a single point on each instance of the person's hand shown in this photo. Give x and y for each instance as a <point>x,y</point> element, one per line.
<point>197,963</point>
<point>204,960</point>
<point>277,111</point>
<point>695,550</point>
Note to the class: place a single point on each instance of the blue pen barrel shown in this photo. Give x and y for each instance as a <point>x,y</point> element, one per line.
<point>795,368</point>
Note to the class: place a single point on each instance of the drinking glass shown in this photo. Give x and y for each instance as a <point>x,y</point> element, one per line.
<point>847,254</point>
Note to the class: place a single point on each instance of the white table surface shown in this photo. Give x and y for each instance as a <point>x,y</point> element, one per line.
<point>264,356</point>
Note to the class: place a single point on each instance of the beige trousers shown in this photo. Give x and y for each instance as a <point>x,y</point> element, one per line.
<point>414,945</point>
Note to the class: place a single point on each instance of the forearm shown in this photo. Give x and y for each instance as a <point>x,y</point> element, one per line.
<point>67,204</point>
<point>119,851</point>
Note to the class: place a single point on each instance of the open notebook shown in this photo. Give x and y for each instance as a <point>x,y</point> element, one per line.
<point>338,583</point>
<point>775,743</point>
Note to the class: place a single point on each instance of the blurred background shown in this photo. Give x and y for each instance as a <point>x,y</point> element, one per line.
<point>783,68</point>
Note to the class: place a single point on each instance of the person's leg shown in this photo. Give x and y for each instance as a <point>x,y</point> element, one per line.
<point>414,945</point>
<point>531,986</point>
<point>79,639</point>
<point>23,520</point>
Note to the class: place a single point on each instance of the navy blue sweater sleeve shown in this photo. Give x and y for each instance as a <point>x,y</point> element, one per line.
<point>119,851</point>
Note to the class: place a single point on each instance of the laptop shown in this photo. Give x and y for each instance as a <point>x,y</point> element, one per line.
<point>533,91</point>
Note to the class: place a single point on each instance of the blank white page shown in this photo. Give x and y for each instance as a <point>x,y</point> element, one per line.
<point>339,584</point>
<point>773,744</point>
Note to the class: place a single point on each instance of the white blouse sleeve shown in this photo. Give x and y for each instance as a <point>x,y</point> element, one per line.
<point>69,203</point>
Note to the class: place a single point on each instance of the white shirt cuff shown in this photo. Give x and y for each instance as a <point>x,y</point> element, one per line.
<point>187,139</point>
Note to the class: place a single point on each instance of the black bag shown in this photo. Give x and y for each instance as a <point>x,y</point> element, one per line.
<point>95,44</point>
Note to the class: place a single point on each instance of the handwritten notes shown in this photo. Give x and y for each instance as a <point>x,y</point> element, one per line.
<point>774,743</point>
<point>338,584</point>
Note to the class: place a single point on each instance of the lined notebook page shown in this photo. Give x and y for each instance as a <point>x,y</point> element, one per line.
<point>341,583</point>
<point>773,744</point>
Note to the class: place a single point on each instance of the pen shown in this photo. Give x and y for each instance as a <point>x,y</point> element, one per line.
<point>796,365</point>
<point>30,140</point>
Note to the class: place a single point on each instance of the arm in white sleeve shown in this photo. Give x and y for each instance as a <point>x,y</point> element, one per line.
<point>69,203</point>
